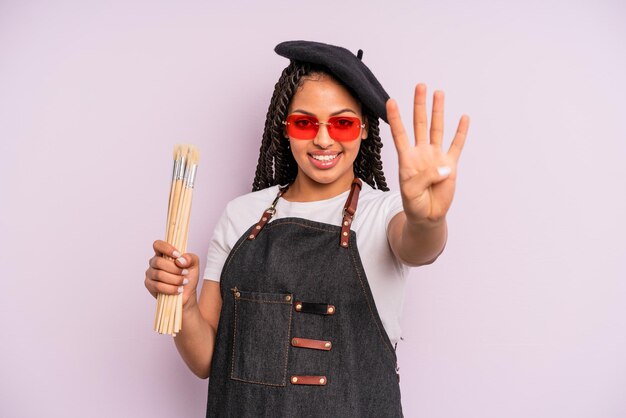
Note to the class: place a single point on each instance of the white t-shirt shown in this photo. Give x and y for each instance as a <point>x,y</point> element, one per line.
<point>385,273</point>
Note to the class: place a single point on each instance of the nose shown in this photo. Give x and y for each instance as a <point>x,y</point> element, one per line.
<point>322,139</point>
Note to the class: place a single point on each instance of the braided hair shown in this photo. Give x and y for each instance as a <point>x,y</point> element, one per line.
<point>276,162</point>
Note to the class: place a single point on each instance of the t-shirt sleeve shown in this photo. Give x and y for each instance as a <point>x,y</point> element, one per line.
<point>224,237</point>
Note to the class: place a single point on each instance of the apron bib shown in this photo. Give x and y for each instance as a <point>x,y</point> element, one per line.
<point>299,334</point>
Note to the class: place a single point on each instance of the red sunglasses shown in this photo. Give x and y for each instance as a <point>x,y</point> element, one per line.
<point>340,128</point>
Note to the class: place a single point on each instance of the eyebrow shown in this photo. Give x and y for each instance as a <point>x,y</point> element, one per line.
<point>332,114</point>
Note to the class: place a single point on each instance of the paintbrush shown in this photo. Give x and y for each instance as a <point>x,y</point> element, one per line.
<point>168,318</point>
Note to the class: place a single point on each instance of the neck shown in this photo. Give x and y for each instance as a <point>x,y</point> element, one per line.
<point>304,189</point>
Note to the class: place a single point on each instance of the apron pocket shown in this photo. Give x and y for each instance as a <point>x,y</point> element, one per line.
<point>261,333</point>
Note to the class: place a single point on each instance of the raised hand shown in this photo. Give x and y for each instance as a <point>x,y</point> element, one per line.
<point>427,174</point>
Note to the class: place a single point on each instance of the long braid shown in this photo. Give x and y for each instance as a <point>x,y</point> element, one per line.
<point>274,148</point>
<point>276,163</point>
<point>368,164</point>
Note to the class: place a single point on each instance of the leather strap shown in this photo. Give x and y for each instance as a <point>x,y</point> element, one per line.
<point>267,215</point>
<point>349,210</point>
<point>308,380</point>
<point>314,344</point>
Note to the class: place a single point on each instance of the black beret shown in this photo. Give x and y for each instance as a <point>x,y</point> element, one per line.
<point>345,66</point>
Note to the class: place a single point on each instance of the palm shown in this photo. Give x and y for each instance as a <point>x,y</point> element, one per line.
<point>426,194</point>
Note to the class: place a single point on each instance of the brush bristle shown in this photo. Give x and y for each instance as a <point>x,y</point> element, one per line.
<point>188,154</point>
<point>196,155</point>
<point>184,150</point>
<point>193,159</point>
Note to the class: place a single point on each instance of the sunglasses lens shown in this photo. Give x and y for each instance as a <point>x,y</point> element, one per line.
<point>344,128</point>
<point>340,128</point>
<point>302,126</point>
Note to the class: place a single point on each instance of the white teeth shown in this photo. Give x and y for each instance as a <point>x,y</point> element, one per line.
<point>324,157</point>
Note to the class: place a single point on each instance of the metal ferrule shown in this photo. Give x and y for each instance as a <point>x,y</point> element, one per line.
<point>185,175</point>
<point>181,169</point>
<point>175,173</point>
<point>191,179</point>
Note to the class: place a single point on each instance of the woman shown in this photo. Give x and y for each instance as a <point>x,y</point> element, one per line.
<point>293,318</point>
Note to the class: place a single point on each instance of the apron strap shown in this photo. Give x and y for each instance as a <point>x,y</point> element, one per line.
<point>267,215</point>
<point>349,210</point>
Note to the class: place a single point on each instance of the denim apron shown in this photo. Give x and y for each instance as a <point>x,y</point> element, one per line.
<point>299,334</point>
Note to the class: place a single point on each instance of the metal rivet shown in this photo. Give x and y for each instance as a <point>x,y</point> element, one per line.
<point>251,236</point>
<point>258,227</point>
<point>264,219</point>
<point>330,309</point>
<point>294,379</point>
<point>322,380</point>
<point>345,244</point>
<point>327,345</point>
<point>288,298</point>
<point>295,341</point>
<point>298,306</point>
<point>345,234</point>
<point>237,294</point>
<point>346,223</point>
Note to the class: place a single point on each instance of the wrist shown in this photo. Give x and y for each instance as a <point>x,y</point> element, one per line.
<point>191,304</point>
<point>425,223</point>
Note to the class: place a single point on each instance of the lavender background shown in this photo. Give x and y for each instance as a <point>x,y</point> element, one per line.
<point>524,314</point>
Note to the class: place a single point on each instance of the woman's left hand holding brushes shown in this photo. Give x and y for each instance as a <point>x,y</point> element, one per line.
<point>172,276</point>
<point>170,273</point>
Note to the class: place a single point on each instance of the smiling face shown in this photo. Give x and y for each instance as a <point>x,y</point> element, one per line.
<point>322,161</point>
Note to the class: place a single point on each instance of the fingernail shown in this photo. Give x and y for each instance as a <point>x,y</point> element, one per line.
<point>182,260</point>
<point>176,254</point>
<point>184,272</point>
<point>185,281</point>
<point>444,171</point>
<point>180,289</point>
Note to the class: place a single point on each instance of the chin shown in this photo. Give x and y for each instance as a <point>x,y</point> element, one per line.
<point>327,177</point>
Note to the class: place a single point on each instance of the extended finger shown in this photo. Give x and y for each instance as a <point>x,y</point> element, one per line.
<point>436,123</point>
<point>420,119</point>
<point>459,138</point>
<point>400,138</point>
